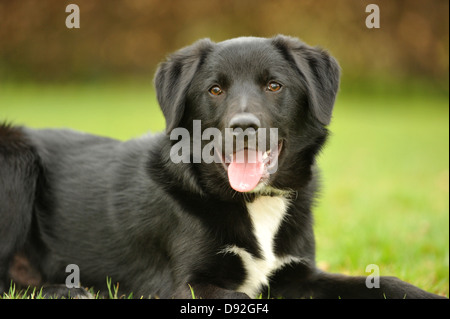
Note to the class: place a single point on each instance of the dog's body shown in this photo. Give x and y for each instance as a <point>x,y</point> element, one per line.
<point>126,211</point>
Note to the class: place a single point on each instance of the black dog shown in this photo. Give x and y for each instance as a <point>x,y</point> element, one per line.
<point>228,229</point>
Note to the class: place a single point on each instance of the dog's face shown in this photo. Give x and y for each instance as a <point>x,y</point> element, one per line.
<point>244,87</point>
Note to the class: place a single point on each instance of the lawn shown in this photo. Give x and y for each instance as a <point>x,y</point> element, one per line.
<point>385,170</point>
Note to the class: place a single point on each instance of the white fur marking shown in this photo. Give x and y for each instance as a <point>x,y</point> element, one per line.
<point>266,213</point>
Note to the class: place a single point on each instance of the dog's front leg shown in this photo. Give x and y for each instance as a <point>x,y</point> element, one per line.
<point>300,281</point>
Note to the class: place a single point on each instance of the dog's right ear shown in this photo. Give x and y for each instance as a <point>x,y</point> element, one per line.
<point>173,78</point>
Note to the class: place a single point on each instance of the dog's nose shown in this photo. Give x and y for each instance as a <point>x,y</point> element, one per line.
<point>245,121</point>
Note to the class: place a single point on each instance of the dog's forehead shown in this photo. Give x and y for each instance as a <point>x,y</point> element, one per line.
<point>243,46</point>
<point>244,53</point>
<point>242,41</point>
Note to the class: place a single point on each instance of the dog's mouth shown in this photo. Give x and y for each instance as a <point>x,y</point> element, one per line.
<point>247,168</point>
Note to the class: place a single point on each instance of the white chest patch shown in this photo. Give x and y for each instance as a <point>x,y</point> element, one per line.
<point>267,213</point>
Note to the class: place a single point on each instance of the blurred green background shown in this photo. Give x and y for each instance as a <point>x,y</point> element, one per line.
<point>385,181</point>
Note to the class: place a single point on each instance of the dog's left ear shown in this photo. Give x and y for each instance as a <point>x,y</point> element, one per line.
<point>173,78</point>
<point>319,71</point>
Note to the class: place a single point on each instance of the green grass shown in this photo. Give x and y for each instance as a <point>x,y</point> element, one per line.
<point>120,111</point>
<point>37,293</point>
<point>385,170</point>
<point>29,293</point>
<point>385,190</point>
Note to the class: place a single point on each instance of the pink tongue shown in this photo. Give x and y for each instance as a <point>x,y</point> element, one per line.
<point>245,171</point>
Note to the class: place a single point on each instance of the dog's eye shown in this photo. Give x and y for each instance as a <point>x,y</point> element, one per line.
<point>273,86</point>
<point>215,90</point>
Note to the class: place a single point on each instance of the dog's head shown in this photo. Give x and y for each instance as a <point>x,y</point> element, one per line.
<point>242,88</point>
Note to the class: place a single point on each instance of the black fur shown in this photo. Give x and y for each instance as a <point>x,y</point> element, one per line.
<point>126,211</point>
